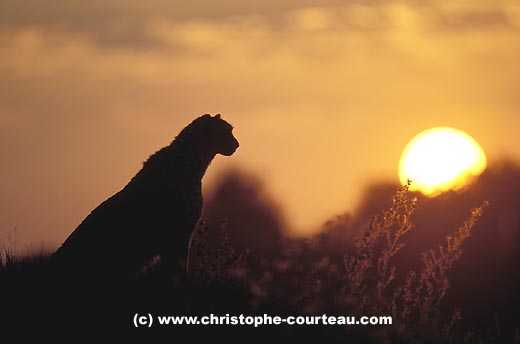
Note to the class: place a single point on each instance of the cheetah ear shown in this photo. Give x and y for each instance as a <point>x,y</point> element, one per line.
<point>217,116</point>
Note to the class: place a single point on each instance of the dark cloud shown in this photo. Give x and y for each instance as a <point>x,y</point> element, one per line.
<point>125,24</point>
<point>83,11</point>
<point>471,19</point>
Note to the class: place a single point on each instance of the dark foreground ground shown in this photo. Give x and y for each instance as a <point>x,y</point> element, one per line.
<point>35,300</point>
<point>445,269</point>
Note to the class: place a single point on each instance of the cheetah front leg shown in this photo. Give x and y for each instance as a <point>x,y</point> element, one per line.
<point>174,260</point>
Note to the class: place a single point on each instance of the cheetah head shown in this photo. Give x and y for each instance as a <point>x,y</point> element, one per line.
<point>221,136</point>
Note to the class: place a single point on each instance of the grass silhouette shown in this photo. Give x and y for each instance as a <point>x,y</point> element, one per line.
<point>303,279</point>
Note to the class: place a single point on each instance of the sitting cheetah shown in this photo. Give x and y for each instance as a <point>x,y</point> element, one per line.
<point>155,213</point>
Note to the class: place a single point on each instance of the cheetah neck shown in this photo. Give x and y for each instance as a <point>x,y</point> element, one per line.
<point>196,164</point>
<point>173,165</point>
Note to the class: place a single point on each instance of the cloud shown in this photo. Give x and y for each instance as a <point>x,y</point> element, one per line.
<point>134,24</point>
<point>324,96</point>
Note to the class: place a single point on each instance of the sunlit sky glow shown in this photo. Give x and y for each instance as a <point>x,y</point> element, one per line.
<point>324,98</point>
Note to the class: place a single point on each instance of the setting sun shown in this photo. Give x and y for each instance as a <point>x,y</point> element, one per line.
<point>441,159</point>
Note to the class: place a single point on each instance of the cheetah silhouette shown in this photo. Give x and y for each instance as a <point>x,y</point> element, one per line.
<point>154,214</point>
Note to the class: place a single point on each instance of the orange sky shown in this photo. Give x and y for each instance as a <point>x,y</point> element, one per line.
<point>323,98</point>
